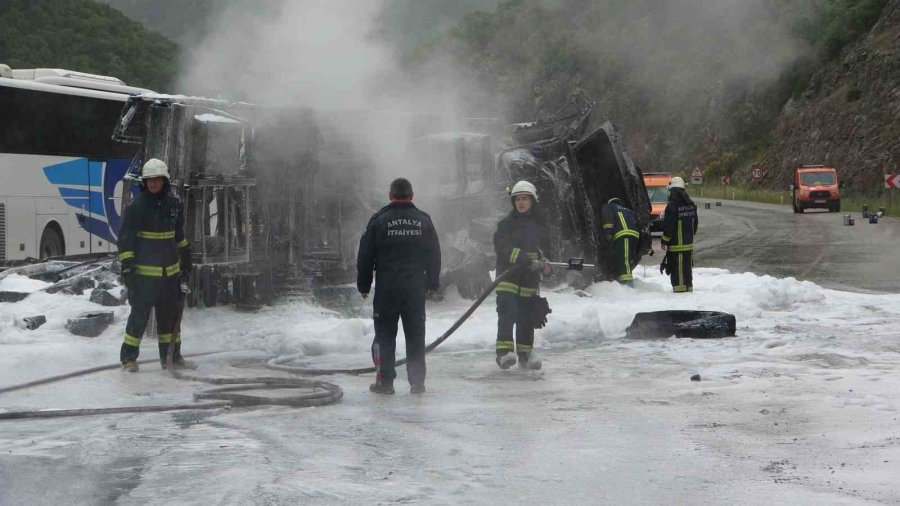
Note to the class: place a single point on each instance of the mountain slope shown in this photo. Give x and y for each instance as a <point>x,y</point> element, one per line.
<point>849,114</point>
<point>86,36</point>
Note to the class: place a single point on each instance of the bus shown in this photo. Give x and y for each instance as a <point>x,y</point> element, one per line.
<point>60,170</point>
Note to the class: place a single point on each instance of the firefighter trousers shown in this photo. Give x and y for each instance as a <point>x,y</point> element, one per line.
<point>680,265</point>
<point>393,303</point>
<point>514,311</point>
<point>623,248</point>
<point>148,293</point>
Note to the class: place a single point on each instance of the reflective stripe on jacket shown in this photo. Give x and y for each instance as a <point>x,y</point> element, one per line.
<point>517,241</point>
<point>152,234</point>
<point>618,221</point>
<point>680,223</point>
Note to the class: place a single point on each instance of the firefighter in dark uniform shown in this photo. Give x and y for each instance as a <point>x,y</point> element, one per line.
<point>620,229</point>
<point>679,226</point>
<point>517,242</point>
<point>155,256</point>
<point>401,246</point>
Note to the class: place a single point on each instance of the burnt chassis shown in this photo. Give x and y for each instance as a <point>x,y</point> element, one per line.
<point>578,163</point>
<point>246,176</point>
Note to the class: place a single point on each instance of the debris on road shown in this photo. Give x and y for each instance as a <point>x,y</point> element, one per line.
<point>90,324</point>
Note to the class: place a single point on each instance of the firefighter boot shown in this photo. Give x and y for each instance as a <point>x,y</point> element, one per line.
<point>529,361</point>
<point>505,359</point>
<point>417,389</point>
<point>383,386</point>
<point>130,366</point>
<point>163,354</point>
<point>179,362</point>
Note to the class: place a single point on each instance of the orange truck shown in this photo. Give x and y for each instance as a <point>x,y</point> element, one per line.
<point>657,184</point>
<point>816,186</point>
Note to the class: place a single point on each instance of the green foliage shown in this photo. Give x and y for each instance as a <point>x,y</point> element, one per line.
<point>691,81</point>
<point>85,36</point>
<point>830,25</point>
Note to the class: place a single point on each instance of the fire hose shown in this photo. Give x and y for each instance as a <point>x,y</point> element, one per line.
<point>317,393</point>
<point>278,362</point>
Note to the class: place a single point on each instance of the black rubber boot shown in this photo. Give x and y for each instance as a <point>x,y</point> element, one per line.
<point>385,387</point>
<point>417,389</point>
<point>163,354</point>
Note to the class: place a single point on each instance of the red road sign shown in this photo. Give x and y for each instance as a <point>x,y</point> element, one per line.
<point>726,180</point>
<point>892,181</point>
<point>756,172</point>
<point>697,172</point>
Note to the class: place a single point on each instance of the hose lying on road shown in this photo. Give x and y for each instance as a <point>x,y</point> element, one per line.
<point>318,393</point>
<point>278,362</point>
<point>315,393</point>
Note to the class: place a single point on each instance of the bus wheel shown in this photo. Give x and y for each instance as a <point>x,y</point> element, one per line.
<point>52,244</point>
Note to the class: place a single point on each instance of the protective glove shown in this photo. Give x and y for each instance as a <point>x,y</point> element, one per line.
<point>538,265</point>
<point>664,265</point>
<point>187,264</point>
<point>128,273</point>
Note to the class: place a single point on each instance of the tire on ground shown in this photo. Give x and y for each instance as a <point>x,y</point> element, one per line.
<point>682,323</point>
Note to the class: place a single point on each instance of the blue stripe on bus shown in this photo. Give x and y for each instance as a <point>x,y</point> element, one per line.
<point>95,173</point>
<point>85,200</point>
<point>97,228</point>
<point>74,172</point>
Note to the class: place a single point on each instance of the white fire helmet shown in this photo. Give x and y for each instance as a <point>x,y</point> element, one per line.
<point>524,187</point>
<point>676,182</point>
<point>154,168</point>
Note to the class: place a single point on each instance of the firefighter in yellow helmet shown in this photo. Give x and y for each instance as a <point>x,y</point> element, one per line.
<point>155,257</point>
<point>517,242</point>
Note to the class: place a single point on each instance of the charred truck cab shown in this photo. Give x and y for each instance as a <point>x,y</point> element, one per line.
<point>578,162</point>
<point>244,210</point>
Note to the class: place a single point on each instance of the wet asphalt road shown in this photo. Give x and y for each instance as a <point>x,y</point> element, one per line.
<point>813,246</point>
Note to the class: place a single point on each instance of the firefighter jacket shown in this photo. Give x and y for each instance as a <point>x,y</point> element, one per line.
<point>518,241</point>
<point>402,247</point>
<point>679,222</point>
<point>151,238</point>
<point>618,221</point>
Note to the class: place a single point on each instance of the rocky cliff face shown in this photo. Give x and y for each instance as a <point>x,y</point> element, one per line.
<point>849,116</point>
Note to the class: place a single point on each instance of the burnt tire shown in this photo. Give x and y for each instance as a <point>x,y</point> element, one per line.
<point>52,244</point>
<point>690,324</point>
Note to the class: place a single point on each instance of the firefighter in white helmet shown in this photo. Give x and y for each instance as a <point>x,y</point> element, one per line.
<point>679,226</point>
<point>517,242</point>
<point>155,257</point>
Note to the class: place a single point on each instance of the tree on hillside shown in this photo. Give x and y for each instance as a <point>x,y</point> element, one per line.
<point>86,36</point>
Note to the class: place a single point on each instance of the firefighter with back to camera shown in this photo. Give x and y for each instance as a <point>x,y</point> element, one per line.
<point>620,229</point>
<point>155,257</point>
<point>680,223</point>
<point>401,246</point>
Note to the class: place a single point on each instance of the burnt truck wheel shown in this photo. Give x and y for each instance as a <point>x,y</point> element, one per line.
<point>693,324</point>
<point>52,244</point>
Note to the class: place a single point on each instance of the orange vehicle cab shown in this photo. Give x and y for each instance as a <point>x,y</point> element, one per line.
<point>815,186</point>
<point>657,189</point>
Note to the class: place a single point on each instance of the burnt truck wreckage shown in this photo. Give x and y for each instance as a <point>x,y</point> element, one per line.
<point>577,162</point>
<point>276,197</point>
<point>244,174</point>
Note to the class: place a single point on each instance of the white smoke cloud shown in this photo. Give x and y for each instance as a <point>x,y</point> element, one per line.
<point>317,53</point>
